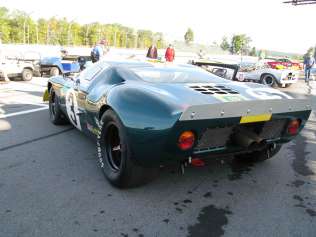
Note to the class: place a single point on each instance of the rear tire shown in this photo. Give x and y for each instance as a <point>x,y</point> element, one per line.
<point>54,71</point>
<point>259,156</point>
<point>115,155</point>
<point>27,74</point>
<point>55,114</point>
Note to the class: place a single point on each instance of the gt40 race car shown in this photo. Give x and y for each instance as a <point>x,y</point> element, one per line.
<point>145,115</point>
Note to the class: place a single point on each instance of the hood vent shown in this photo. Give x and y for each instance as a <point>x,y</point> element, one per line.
<point>211,90</point>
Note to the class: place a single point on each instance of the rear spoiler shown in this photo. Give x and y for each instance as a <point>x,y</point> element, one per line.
<point>248,108</point>
<point>235,67</point>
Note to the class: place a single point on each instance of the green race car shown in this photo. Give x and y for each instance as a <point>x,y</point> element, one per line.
<point>144,115</point>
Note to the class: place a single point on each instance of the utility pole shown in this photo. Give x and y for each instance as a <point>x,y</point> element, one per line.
<point>26,16</point>
<point>24,26</point>
<point>69,31</point>
<point>115,38</point>
<point>36,28</point>
<point>136,40</point>
<point>68,34</point>
<point>28,33</point>
<point>99,34</point>
<point>125,39</point>
<point>86,36</point>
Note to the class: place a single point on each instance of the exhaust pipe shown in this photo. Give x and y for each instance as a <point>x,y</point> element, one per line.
<point>246,138</point>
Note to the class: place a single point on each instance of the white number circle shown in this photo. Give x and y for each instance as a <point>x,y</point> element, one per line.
<point>72,108</point>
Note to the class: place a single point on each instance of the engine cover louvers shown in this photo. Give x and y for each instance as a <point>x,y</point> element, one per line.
<point>211,90</point>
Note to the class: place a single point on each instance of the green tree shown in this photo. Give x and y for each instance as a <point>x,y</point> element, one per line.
<point>18,27</point>
<point>189,36</point>
<point>42,26</point>
<point>253,52</point>
<point>145,38</point>
<point>240,44</point>
<point>262,54</point>
<point>225,45</point>
<point>4,25</point>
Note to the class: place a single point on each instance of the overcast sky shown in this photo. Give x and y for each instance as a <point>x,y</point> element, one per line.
<point>270,23</point>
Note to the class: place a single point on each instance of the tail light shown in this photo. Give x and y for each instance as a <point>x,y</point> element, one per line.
<point>293,127</point>
<point>186,140</point>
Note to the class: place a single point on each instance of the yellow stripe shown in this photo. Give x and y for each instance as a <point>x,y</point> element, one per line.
<point>255,118</point>
<point>46,95</point>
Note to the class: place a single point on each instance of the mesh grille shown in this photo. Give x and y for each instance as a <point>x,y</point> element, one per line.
<point>219,137</point>
<point>272,129</point>
<point>211,90</point>
<point>215,137</point>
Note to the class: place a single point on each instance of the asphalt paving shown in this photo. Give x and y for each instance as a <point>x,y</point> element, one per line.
<point>51,185</point>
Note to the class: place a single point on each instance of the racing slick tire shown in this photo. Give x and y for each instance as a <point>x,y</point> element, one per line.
<point>55,114</point>
<point>259,156</point>
<point>27,74</point>
<point>269,80</point>
<point>54,71</point>
<point>115,155</point>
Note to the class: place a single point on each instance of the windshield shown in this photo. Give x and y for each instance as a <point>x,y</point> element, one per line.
<point>175,75</point>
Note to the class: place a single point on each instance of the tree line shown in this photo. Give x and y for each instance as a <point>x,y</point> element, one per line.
<point>19,27</point>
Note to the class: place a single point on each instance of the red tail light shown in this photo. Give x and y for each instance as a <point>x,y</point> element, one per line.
<point>293,127</point>
<point>186,140</point>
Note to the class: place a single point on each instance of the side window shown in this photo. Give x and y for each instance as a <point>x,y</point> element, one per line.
<point>90,72</point>
<point>104,76</point>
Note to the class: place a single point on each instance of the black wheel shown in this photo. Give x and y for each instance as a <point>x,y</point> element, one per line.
<point>259,156</point>
<point>287,85</point>
<point>55,114</point>
<point>27,74</point>
<point>268,80</point>
<point>115,156</point>
<point>54,71</point>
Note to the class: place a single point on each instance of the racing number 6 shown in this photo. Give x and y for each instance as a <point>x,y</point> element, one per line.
<point>72,109</point>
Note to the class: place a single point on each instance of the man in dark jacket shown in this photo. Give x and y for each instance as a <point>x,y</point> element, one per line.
<point>309,62</point>
<point>152,52</point>
<point>170,54</point>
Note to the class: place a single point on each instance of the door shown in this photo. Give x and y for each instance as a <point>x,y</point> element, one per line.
<point>76,94</point>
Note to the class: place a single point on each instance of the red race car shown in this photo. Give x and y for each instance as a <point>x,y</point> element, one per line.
<point>282,63</point>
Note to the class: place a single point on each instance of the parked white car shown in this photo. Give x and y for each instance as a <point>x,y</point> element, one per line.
<point>16,68</point>
<point>268,76</point>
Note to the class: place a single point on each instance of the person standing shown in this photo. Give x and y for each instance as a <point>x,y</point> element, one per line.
<point>152,52</point>
<point>201,54</point>
<point>98,51</point>
<point>309,62</point>
<point>170,53</point>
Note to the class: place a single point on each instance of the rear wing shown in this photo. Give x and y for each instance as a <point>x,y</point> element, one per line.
<point>250,110</point>
<point>234,67</point>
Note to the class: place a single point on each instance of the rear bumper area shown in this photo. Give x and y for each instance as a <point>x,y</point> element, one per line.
<point>236,127</point>
<point>221,129</point>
